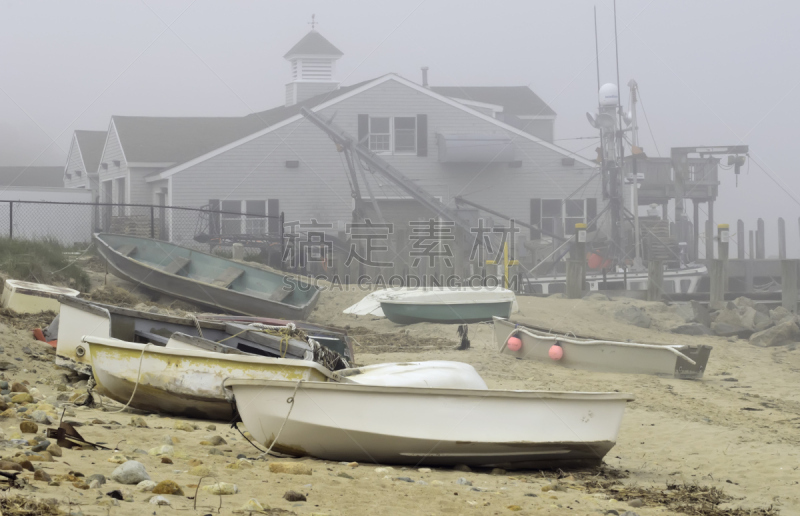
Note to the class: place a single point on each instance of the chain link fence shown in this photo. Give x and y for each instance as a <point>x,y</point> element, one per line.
<point>72,224</point>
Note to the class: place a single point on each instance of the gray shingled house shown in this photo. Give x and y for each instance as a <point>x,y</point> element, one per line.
<point>491,145</point>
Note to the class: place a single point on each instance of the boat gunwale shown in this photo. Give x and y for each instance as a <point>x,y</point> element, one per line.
<point>429,391</point>
<point>310,303</point>
<point>583,341</point>
<point>445,303</point>
<point>97,343</point>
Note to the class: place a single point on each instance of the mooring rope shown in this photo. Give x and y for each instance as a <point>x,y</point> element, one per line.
<point>138,377</point>
<point>289,400</point>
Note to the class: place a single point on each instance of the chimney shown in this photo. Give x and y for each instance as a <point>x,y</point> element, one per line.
<point>424,76</point>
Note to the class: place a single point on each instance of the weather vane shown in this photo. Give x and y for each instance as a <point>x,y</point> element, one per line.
<point>313,22</point>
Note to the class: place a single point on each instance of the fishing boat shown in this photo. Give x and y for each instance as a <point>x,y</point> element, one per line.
<point>678,361</point>
<point>371,303</point>
<point>205,279</point>
<point>25,297</point>
<point>78,318</point>
<point>181,381</point>
<point>463,305</point>
<point>430,427</point>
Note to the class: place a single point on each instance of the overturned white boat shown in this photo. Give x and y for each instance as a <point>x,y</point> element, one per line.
<point>426,427</point>
<point>371,303</point>
<point>679,361</point>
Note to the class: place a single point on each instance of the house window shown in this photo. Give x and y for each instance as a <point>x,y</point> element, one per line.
<point>393,134</point>
<point>248,217</point>
<point>405,134</point>
<point>231,218</point>
<point>560,216</point>
<point>255,222</point>
<point>380,135</point>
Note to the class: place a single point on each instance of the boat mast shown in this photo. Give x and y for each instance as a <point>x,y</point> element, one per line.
<point>635,151</point>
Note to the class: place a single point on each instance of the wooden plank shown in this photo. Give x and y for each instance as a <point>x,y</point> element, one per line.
<point>126,250</point>
<point>227,277</point>
<point>206,344</point>
<point>176,265</point>
<point>789,284</point>
<point>655,280</point>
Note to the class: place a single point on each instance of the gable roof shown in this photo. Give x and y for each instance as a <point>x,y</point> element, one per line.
<point>32,176</point>
<point>176,140</point>
<point>90,144</point>
<point>313,43</point>
<point>285,115</point>
<point>516,100</point>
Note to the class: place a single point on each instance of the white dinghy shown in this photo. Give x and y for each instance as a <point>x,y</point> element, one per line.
<point>422,426</point>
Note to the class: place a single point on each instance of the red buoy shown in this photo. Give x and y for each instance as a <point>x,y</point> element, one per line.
<point>555,352</point>
<point>514,343</point>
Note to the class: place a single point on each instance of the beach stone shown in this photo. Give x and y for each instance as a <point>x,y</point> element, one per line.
<point>118,459</point>
<point>382,471</point>
<point>290,468</point>
<point>28,427</point>
<point>166,460</point>
<point>195,462</point>
<point>633,315</point>
<point>723,329</point>
<point>684,311</point>
<point>742,302</point>
<point>200,470</point>
<point>131,472</point>
<point>6,465</point>
<point>169,487</point>
<point>164,449</point>
<point>138,422</point>
<point>168,439</point>
<point>342,474</point>
<point>424,470</point>
<point>498,471</point>
<point>159,500</point>
<point>41,417</point>
<point>146,486</point>
<point>294,496</point>
<point>437,483</point>
<point>253,505</point>
<point>761,321</point>
<point>185,426</point>
<point>514,508</point>
<point>463,468</point>
<point>463,482</point>
<point>779,314</point>
<point>42,475</point>
<point>638,502</point>
<point>221,488</point>
<point>22,397</point>
<point>780,335</point>
<point>211,428</point>
<point>215,451</point>
<point>18,387</point>
<point>54,450</point>
<point>3,405</point>
<point>693,329</point>
<point>214,441</point>
<point>40,457</point>
<point>98,477</point>
<point>245,463</point>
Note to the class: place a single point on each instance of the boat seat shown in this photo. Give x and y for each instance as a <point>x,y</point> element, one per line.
<point>227,277</point>
<point>126,250</point>
<point>279,295</point>
<point>176,265</point>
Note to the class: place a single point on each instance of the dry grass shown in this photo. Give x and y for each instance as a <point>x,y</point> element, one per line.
<point>18,505</point>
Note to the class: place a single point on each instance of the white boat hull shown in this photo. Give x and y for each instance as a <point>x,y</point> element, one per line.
<point>371,303</point>
<point>602,355</point>
<point>510,429</point>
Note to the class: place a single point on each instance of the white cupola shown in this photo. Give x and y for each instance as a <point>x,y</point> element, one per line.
<point>313,61</point>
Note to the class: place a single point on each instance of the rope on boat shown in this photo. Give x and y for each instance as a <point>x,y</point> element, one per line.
<point>284,332</point>
<point>289,400</point>
<point>197,325</point>
<point>138,377</point>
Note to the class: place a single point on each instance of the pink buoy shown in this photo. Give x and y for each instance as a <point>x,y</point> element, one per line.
<point>514,344</point>
<point>556,352</point>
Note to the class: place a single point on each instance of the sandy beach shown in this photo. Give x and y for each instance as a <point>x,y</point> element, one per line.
<point>728,444</point>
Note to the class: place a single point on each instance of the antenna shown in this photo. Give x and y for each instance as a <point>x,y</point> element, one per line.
<point>619,103</point>
<point>597,52</point>
<point>314,23</point>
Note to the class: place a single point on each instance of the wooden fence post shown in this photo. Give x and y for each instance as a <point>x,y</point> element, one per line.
<point>781,238</point>
<point>717,273</point>
<point>575,278</point>
<point>760,240</point>
<point>655,280</point>
<point>709,240</point>
<point>789,284</point>
<point>740,239</point>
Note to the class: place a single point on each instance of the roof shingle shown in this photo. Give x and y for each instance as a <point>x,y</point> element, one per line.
<point>91,144</point>
<point>516,100</point>
<point>315,44</point>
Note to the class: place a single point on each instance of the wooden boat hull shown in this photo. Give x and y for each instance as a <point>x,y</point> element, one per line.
<point>431,427</point>
<point>409,313</point>
<point>204,293</point>
<point>184,382</point>
<point>603,356</point>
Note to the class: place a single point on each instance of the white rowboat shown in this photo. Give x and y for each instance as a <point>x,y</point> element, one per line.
<point>419,426</point>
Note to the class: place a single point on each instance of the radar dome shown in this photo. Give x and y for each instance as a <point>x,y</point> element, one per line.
<point>609,95</point>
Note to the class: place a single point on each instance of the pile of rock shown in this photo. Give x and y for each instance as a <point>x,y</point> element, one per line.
<point>745,319</point>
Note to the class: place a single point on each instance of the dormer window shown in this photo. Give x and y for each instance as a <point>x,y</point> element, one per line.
<point>78,173</point>
<point>116,163</point>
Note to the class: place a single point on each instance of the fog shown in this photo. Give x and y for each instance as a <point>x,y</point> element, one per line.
<point>710,73</point>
